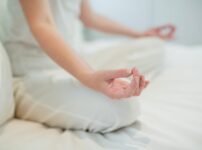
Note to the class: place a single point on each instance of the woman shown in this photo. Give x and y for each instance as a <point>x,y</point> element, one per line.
<point>49,26</point>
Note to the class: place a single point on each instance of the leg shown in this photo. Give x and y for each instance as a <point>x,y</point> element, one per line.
<point>146,54</point>
<point>61,101</point>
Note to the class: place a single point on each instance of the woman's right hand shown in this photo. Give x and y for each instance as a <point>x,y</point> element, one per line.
<point>111,84</point>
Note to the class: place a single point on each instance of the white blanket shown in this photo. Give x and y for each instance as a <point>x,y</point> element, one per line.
<point>170,120</point>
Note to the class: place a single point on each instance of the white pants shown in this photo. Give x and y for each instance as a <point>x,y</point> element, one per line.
<point>57,99</point>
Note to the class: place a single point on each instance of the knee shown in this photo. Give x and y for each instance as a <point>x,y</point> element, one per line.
<point>124,113</point>
<point>127,111</point>
<point>150,41</point>
<point>148,44</point>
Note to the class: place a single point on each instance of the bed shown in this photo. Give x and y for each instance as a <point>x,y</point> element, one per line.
<point>171,116</point>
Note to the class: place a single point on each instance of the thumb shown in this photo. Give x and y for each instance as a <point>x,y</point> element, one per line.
<point>120,73</point>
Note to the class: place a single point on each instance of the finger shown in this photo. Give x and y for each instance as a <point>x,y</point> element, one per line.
<point>136,86</point>
<point>171,27</point>
<point>167,36</point>
<point>114,93</point>
<point>163,27</point>
<point>118,92</point>
<point>170,31</point>
<point>122,93</point>
<point>171,37</point>
<point>147,83</point>
<point>128,92</point>
<point>142,83</point>
<point>135,72</point>
<point>113,74</point>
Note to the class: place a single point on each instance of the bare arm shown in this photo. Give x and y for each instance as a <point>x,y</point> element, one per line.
<point>43,28</point>
<point>93,20</point>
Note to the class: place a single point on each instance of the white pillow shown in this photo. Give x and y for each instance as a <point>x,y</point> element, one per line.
<point>6,91</point>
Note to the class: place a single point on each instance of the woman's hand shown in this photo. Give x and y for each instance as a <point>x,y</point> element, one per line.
<point>111,84</point>
<point>165,32</point>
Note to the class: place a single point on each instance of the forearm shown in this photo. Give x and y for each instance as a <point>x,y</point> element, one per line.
<point>55,46</point>
<point>105,24</point>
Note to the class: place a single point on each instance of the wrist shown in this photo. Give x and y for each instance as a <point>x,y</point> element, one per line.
<point>86,77</point>
<point>138,34</point>
<point>91,80</point>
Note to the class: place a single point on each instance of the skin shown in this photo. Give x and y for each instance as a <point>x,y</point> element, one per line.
<point>108,82</point>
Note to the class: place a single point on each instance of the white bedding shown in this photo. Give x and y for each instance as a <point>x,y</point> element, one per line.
<point>171,116</point>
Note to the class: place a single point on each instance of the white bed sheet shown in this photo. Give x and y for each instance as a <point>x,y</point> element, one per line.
<point>171,116</point>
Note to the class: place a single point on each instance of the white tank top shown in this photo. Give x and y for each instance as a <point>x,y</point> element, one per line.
<point>24,51</point>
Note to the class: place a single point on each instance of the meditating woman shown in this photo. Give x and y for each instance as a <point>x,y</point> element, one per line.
<point>59,85</point>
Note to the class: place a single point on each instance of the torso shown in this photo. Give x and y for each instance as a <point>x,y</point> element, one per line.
<point>65,13</point>
<point>20,42</point>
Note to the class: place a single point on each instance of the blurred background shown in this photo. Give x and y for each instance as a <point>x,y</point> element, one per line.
<point>142,14</point>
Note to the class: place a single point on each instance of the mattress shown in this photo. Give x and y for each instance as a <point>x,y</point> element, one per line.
<point>171,116</point>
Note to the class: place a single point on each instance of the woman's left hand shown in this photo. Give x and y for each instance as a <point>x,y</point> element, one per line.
<point>165,32</point>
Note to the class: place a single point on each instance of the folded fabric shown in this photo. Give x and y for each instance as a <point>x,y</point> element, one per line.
<point>146,54</point>
<point>6,90</point>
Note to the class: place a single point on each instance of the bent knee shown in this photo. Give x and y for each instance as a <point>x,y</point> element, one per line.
<point>144,45</point>
<point>150,42</point>
<point>123,113</point>
<point>127,111</point>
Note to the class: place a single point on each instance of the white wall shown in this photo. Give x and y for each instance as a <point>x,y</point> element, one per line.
<point>2,7</point>
<point>140,14</point>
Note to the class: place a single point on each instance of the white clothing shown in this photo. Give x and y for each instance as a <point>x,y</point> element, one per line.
<point>22,47</point>
<point>58,100</point>
<point>49,95</point>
